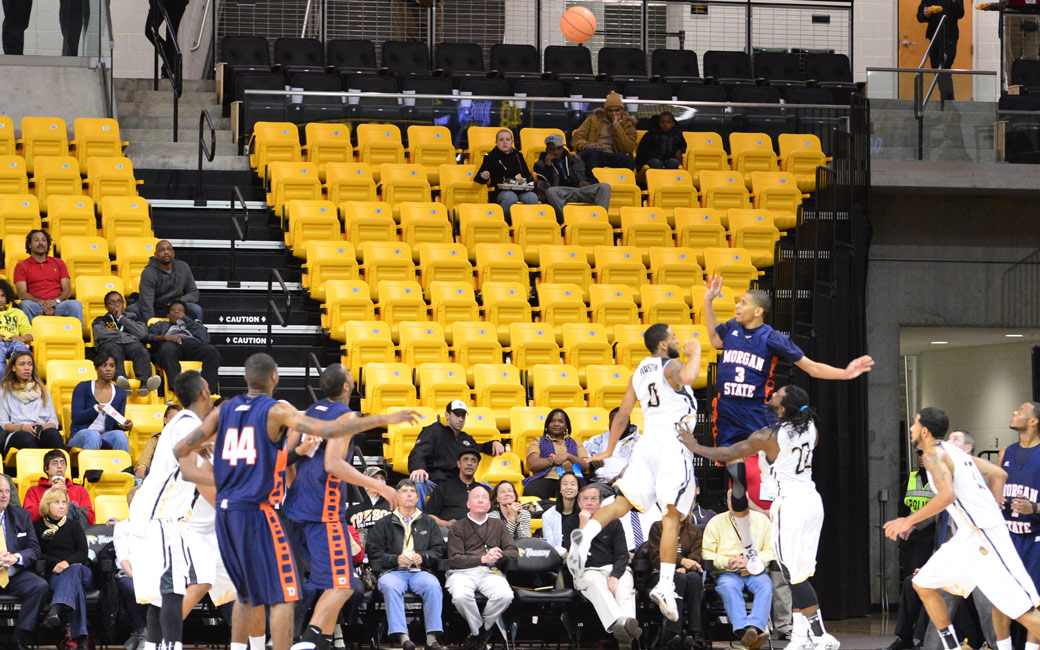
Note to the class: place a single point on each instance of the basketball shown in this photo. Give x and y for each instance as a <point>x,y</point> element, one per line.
<point>578,24</point>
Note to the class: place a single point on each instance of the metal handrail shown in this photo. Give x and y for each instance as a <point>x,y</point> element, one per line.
<point>312,362</point>
<point>202,27</point>
<point>272,308</point>
<point>920,98</point>
<point>209,150</point>
<point>174,68</point>
<point>237,202</point>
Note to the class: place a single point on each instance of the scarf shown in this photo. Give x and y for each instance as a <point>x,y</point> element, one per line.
<point>546,448</point>
<point>29,392</point>
<point>52,527</point>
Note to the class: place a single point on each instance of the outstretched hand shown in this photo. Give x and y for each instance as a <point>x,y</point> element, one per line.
<point>389,494</point>
<point>686,436</point>
<point>714,284</point>
<point>859,366</point>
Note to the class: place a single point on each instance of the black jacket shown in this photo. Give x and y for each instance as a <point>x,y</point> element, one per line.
<point>568,171</point>
<point>609,548</point>
<point>20,535</point>
<point>503,167</point>
<point>952,9</point>
<point>437,451</point>
<point>658,144</point>
<point>69,543</point>
<point>160,328</point>
<point>386,541</point>
<point>158,288</point>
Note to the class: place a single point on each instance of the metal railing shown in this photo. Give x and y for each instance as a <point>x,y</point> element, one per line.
<point>236,230</point>
<point>919,79</point>
<point>272,308</point>
<point>207,150</point>
<point>312,362</point>
<point>174,69</point>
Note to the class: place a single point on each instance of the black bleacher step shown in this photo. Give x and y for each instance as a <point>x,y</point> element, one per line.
<point>181,184</point>
<point>246,307</point>
<point>187,223</point>
<point>287,350</point>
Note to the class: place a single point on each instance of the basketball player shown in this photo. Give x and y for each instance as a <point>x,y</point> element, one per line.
<point>249,471</point>
<point>661,469</point>
<point>797,511</point>
<point>744,381</point>
<point>981,553</point>
<point>1021,490</point>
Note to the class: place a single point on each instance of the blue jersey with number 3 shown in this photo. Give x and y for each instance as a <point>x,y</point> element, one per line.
<point>248,468</point>
<point>748,358</point>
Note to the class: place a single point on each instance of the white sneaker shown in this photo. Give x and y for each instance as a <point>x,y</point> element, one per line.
<point>826,642</point>
<point>665,599</point>
<point>805,643</point>
<point>754,564</point>
<point>576,555</point>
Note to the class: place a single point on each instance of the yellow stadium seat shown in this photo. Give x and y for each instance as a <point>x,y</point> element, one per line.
<point>504,467</point>
<point>608,383</point>
<point>664,303</point>
<point>724,190</point>
<point>430,147</point>
<point>386,385</point>
<point>801,154</point>
<point>8,143</point>
<point>481,140</point>
<point>698,333</point>
<point>346,300</point>
<point>111,506</point>
<point>645,227</point>
<point>273,142</point>
<point>532,142</point>
<point>14,252</point>
<point>56,176</point>
<point>668,189</point>
<point>440,383</point>
<point>328,260</point>
<point>424,222</point>
<point>422,343</point>
<point>132,255</point>
<point>704,151</point>
<point>56,338</point>
<point>327,143</point>
<point>505,303</point>
<point>584,344</point>
<point>19,213</point>
<point>368,221</point>
<point>497,387</point>
<point>96,136</point>
<point>629,347</point>
<point>90,290</point>
<point>288,181</point>
<point>533,226</point>
<point>482,424</point>
<point>71,216</point>
<point>125,216</point>
<point>587,226</point>
<point>459,186</point>
<point>675,266</point>
<point>400,438</point>
<point>479,223</point>
<point>399,301</point>
<point>110,176</point>
<point>733,264</point>
<point>565,265</point>
<point>62,377</point>
<point>386,261</point>
<point>29,468</point>
<point>525,424</point>
<point>587,421</point>
<point>751,152</point>
<point>623,190</point>
<point>114,481</point>
<point>366,342</point>
<point>620,265</point>
<point>85,256</point>
<point>310,220</point>
<point>474,342</point>
<point>148,421</point>
<point>378,144</point>
<point>777,192</point>
<point>556,386</point>
<point>43,136</point>
<point>531,344</point>
<point>501,263</point>
<point>400,182</point>
<point>561,303</point>
<point>451,302</point>
<point>347,181</point>
<point>700,228</point>
<point>754,231</point>
<point>13,177</point>
<point>612,304</point>
<point>724,304</point>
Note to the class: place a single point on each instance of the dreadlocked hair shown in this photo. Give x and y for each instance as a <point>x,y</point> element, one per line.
<point>797,411</point>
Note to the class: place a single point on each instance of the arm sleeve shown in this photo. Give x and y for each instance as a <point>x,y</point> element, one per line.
<point>723,329</point>
<point>523,525</point>
<point>625,135</point>
<point>376,546</point>
<point>19,272</point>
<point>580,135</point>
<point>23,328</point>
<point>31,551</point>
<point>434,505</point>
<point>79,554</point>
<point>525,170</point>
<point>485,166</point>
<point>694,552</point>
<point>147,293</point>
<point>710,545</point>
<point>133,327</point>
<point>191,292</point>
<point>154,330</point>
<point>457,557</point>
<point>422,449</point>
<point>83,412</point>
<point>32,502</point>
<point>435,553</point>
<point>617,539</point>
<point>956,9</point>
<point>119,404</point>
<point>783,347</point>
<point>197,329</point>
<point>507,543</point>
<point>921,18</point>
<point>79,494</point>
<point>47,410</point>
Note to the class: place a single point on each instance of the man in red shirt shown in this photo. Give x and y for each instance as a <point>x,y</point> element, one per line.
<point>43,282</point>
<point>55,466</point>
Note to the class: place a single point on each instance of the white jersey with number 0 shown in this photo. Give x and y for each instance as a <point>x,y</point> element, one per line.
<point>792,468</point>
<point>663,406</point>
<point>973,505</point>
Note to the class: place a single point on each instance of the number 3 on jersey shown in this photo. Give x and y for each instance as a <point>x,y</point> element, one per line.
<point>238,448</point>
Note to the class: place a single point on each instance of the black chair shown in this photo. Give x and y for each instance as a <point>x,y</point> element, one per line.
<point>647,90</point>
<point>373,108</point>
<point>295,55</point>
<point>728,68</point>
<point>822,123</point>
<point>406,58</point>
<point>568,63</point>
<point>458,61</point>
<point>428,110</point>
<point>549,115</point>
<point>534,596</point>
<point>622,64</point>
<point>515,62</point>
<point>779,69</point>
<point>1026,74</point>
<point>592,89</point>
<point>756,119</point>
<point>705,118</point>
<point>484,110</point>
<point>351,57</point>
<point>317,109</point>
<point>831,71</point>
<point>259,108</point>
<point>240,54</point>
<point>675,67</point>
<point>1022,134</point>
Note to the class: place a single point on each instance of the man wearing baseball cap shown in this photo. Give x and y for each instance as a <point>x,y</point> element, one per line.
<point>435,455</point>
<point>562,179</point>
<point>606,138</point>
<point>371,508</point>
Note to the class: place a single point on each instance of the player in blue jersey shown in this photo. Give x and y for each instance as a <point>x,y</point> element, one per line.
<point>1021,461</point>
<point>249,461</point>
<point>744,382</point>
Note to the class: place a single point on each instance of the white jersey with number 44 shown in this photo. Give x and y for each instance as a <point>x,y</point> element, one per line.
<point>663,406</point>
<point>792,468</point>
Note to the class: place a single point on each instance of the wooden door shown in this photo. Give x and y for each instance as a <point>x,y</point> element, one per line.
<point>912,45</point>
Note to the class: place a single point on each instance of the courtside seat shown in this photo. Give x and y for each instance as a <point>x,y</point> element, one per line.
<point>327,260</point>
<point>505,303</point>
<point>607,384</point>
<point>366,342</point>
<point>556,385</point>
<point>497,386</point>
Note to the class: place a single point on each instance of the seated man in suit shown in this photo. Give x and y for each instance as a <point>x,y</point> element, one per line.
<point>19,550</point>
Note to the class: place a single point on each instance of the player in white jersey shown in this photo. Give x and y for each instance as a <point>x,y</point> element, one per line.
<point>661,469</point>
<point>796,513</point>
<point>981,553</point>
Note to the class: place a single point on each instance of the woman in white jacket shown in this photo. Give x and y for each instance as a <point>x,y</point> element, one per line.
<point>559,520</point>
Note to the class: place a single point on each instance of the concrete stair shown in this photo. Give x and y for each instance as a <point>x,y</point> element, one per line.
<point>146,121</point>
<point>961,131</point>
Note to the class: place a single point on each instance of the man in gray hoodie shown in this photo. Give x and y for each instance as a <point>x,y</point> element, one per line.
<point>164,280</point>
<point>124,336</point>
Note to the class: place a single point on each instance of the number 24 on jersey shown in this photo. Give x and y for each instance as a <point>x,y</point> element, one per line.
<point>239,447</point>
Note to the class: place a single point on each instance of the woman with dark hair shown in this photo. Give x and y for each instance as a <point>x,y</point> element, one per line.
<point>98,406</point>
<point>63,548</point>
<point>505,505</point>
<point>559,520</point>
<point>554,453</point>
<point>26,408</point>
<point>15,330</point>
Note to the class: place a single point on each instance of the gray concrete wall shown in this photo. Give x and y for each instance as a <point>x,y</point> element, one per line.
<point>57,86</point>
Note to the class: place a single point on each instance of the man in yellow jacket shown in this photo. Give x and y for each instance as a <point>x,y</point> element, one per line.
<point>606,138</point>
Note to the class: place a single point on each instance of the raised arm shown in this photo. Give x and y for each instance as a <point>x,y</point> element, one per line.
<point>819,370</point>
<point>940,470</point>
<point>714,285</point>
<point>337,465</point>
<point>284,415</point>
<point>994,476</point>
<point>196,438</point>
<point>617,427</point>
<point>684,374</point>
<point>761,440</point>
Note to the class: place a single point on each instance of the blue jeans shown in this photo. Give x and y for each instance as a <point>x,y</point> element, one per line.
<point>91,439</point>
<point>730,587</point>
<point>70,588</point>
<point>64,308</point>
<point>506,199</point>
<point>394,584</point>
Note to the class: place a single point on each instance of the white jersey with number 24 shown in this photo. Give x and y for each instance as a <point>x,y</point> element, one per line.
<point>792,468</point>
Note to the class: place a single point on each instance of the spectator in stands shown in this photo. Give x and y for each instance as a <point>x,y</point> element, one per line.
<point>689,586</point>
<point>562,518</point>
<point>16,20</point>
<point>606,138</point>
<point>154,20</point>
<point>404,549</point>
<point>373,507</point>
<point>562,179</point>
<point>125,335</point>
<point>607,581</point>
<point>26,408</point>
<point>63,547</point>
<point>636,524</point>
<point>43,281</point>
<point>663,145</point>
<point>55,467</point>
<point>613,466</point>
<point>434,458</point>
<point>700,515</point>
<point>98,409</point>
<point>15,330</point>
<point>447,504</point>
<point>122,537</point>
<point>944,50</point>
<point>144,460</point>
<point>19,554</point>
<point>552,454</point>
<point>505,505</point>
<point>504,164</point>
<point>478,546</point>
<point>72,18</point>
<point>722,547</point>
<point>164,280</point>
<point>180,338</point>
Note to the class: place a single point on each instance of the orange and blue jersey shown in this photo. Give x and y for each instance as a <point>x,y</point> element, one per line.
<point>315,494</point>
<point>248,467</point>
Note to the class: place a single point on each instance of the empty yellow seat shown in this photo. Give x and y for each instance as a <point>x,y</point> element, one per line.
<point>132,255</point>
<point>430,147</point>
<point>440,383</point>
<point>56,176</point>
<point>400,182</point>
<point>368,221</point>
<point>452,301</point>
<point>8,143</point>
<point>125,216</point>
<point>645,227</point>
<point>501,263</point>
<point>532,142</point>
<point>664,303</point>
<point>629,346</point>
<point>668,189</point>
<point>733,264</point>
<point>561,303</point>
<point>777,192</point>
<point>386,385</point>
<point>13,177</point>
<point>698,333</point>
<point>587,226</point>
<point>700,228</point>
<point>506,303</point>
<point>378,144</point>
<point>608,383</point>
<point>620,265</point>
<point>525,424</point>
<point>459,186</point>
<point>114,481</point>
<point>111,506</point>
<point>349,181</point>
<point>613,304</point>
<point>288,181</point>
<point>85,256</point>
<point>273,142</point>
<point>310,220</point>
<point>327,143</point>
<point>386,261</point>
<point>587,421</point>
<point>531,344</point>
<point>751,152</point>
<point>754,231</point>
<point>366,342</point>
<point>110,176</point>
<point>399,301</point>
<point>623,190</point>
<point>327,260</point>
<point>63,375</point>
<point>424,222</point>
<point>704,152</point>
<point>585,344</point>
<point>801,154</point>
<point>346,300</point>
<point>43,136</point>
<point>556,386</point>
<point>482,425</point>
<point>96,136</point>
<point>473,343</point>
<point>56,338</point>
<point>422,342</point>
<point>19,213</point>
<point>71,216</point>
<point>480,139</point>
<point>675,266</point>
<point>497,386</point>
<point>724,304</point>
<point>479,223</point>
<point>724,190</point>
<point>565,264</point>
<point>533,226</point>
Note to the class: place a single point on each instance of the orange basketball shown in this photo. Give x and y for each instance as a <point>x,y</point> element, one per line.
<point>578,24</point>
